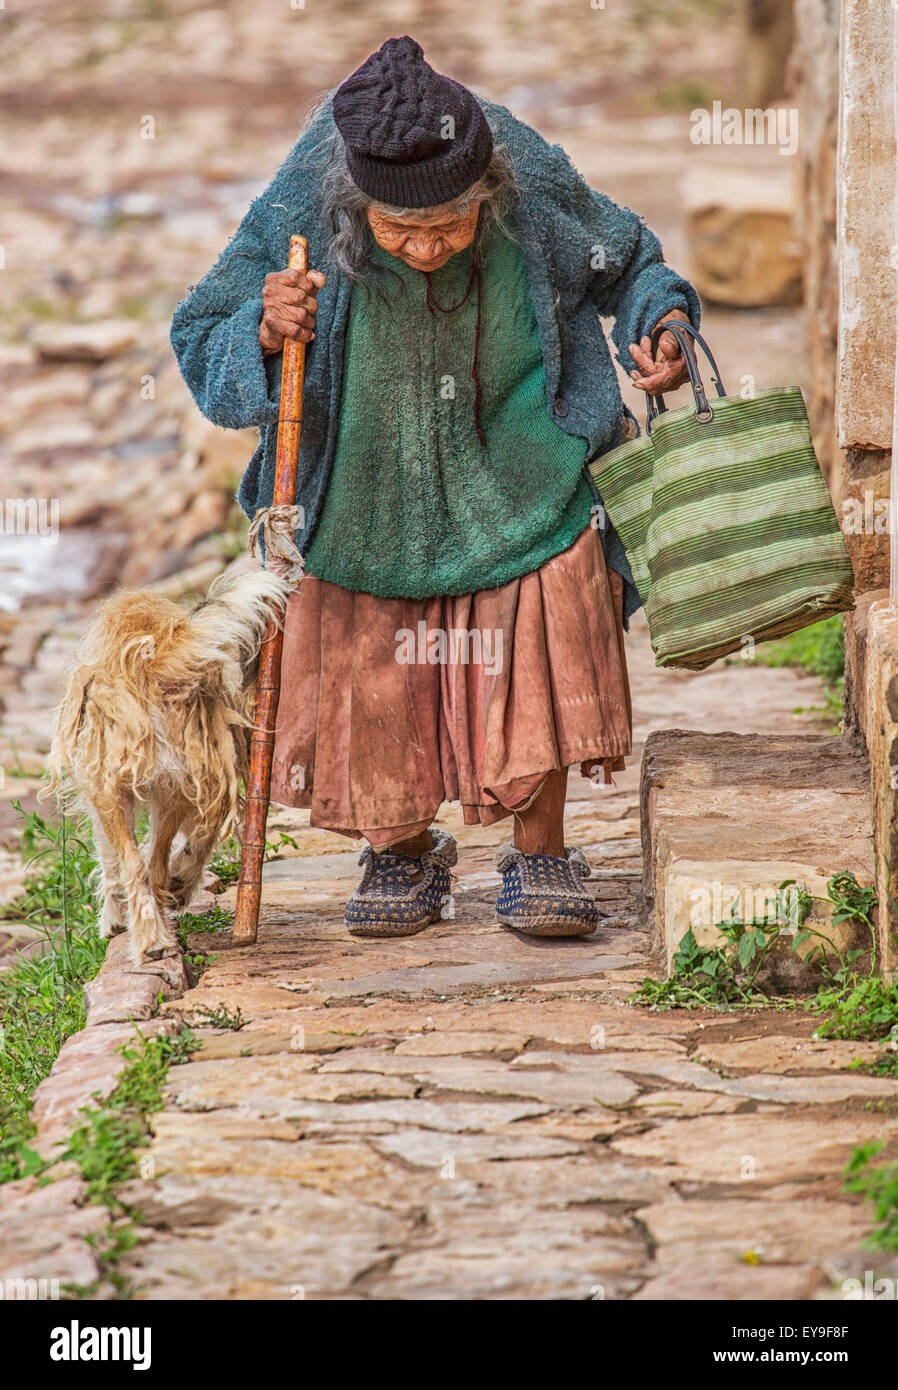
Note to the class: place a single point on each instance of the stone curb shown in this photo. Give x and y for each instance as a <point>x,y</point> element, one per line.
<point>43,1228</point>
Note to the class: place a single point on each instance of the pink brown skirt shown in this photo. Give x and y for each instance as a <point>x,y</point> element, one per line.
<point>391,706</point>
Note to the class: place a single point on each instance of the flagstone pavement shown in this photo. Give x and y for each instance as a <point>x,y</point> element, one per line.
<point>468,1114</point>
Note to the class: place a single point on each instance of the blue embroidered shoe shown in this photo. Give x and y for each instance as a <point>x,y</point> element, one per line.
<point>543,895</point>
<point>401,894</point>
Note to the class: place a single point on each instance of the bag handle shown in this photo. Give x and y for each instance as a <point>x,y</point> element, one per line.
<point>703,411</point>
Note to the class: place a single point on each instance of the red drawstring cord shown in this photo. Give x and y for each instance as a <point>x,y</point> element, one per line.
<point>474,372</point>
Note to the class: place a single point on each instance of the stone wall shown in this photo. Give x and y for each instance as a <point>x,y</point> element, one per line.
<point>847,62</point>
<point>847,215</point>
<point>879,707</point>
<point>865,380</point>
<point>864,365</point>
<point>847,171</point>
<point>816,62</point>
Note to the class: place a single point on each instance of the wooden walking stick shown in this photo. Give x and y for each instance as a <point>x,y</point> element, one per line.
<point>249,889</point>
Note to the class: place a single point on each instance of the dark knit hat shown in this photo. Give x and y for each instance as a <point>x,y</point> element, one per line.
<point>413,138</point>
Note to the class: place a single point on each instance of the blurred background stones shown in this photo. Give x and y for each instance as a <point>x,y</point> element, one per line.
<point>742,241</point>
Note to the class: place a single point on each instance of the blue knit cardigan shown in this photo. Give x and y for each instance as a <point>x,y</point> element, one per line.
<point>585,257</point>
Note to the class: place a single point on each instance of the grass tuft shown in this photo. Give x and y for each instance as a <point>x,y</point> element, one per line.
<point>105,1147</point>
<point>819,649</point>
<point>41,1001</point>
<point>878,1185</point>
<point>726,976</point>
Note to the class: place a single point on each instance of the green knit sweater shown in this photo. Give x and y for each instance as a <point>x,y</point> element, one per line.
<point>417,505</point>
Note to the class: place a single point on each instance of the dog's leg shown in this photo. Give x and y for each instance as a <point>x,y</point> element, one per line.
<point>113,915</point>
<point>200,839</point>
<point>187,863</point>
<point>167,812</point>
<point>151,934</point>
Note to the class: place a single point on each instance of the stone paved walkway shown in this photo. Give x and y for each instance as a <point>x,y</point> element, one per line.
<point>466,1114</point>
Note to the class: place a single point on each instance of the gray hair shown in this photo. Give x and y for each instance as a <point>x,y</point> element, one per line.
<point>346,207</point>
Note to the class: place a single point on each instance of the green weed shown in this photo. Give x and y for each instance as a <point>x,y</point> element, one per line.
<point>879,1186</point>
<point>858,1005</point>
<point>222,1017</point>
<point>225,862</point>
<point>103,1145</point>
<point>217,919</point>
<point>41,1002</point>
<point>819,649</point>
<point>725,976</point>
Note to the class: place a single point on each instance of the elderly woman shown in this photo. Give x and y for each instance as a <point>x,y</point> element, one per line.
<point>459,632</point>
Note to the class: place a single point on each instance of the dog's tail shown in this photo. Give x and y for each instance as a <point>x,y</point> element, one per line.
<point>229,625</point>
<point>143,655</point>
<point>65,735</point>
<point>223,636</point>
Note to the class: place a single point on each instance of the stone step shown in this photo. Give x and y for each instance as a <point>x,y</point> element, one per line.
<point>726,818</point>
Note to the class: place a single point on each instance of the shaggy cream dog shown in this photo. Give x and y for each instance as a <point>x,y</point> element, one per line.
<point>157,712</point>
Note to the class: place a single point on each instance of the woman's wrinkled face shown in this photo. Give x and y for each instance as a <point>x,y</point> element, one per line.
<point>425,241</point>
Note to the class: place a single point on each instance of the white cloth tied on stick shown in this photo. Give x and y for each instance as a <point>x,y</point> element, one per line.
<point>278,526</point>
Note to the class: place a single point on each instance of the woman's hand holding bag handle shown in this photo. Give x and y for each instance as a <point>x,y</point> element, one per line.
<point>683,332</point>
<point>725,517</point>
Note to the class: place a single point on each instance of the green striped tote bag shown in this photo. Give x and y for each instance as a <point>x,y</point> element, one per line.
<point>726,520</point>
